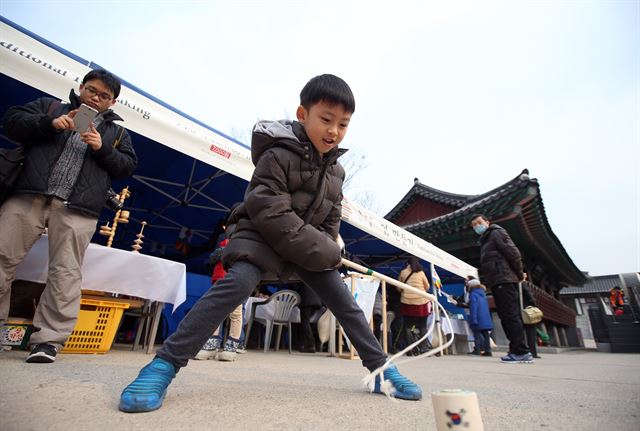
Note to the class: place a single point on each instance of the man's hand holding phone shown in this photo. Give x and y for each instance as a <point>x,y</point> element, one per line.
<point>65,121</point>
<point>92,138</point>
<point>78,120</point>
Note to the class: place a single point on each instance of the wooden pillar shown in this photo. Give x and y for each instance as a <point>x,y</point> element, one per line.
<point>555,337</point>
<point>563,337</point>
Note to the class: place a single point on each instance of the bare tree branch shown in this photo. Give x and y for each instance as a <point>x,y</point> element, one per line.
<point>354,163</point>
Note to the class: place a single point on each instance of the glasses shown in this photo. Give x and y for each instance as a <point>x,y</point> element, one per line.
<point>105,97</point>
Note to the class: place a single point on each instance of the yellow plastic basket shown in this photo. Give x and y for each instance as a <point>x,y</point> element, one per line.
<point>98,322</point>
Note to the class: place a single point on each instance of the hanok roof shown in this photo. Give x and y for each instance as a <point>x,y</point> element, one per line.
<point>516,206</point>
<point>631,279</point>
<point>596,284</point>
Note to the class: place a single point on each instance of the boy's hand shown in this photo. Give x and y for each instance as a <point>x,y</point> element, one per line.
<point>92,138</point>
<point>65,121</point>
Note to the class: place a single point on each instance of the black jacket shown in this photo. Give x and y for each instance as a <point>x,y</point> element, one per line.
<point>292,206</point>
<point>500,260</point>
<point>30,125</point>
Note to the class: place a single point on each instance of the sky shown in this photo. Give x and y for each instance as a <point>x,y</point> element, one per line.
<point>461,95</point>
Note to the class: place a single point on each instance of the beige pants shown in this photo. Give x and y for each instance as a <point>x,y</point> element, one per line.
<point>22,221</point>
<point>235,324</point>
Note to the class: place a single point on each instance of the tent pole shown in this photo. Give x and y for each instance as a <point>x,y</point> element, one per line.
<point>437,310</point>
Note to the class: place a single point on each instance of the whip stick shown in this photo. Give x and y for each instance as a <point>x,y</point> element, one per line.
<point>369,379</point>
<point>389,280</point>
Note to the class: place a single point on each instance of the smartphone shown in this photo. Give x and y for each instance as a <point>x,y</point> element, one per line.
<point>85,115</point>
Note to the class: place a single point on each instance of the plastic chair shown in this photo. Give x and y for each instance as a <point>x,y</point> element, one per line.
<point>285,301</point>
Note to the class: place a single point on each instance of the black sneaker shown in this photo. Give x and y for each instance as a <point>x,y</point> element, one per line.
<point>42,353</point>
<point>308,349</point>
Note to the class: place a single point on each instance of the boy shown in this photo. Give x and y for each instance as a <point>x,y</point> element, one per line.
<point>287,223</point>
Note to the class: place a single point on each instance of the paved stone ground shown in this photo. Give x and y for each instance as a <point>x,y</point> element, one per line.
<point>277,391</point>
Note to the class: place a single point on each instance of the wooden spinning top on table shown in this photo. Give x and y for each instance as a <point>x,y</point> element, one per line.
<point>122,216</point>
<point>137,243</point>
<point>106,230</point>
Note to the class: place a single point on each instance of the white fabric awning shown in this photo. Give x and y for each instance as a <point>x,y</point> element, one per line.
<point>36,62</point>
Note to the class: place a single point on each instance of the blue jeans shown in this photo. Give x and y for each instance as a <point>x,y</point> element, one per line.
<point>482,340</point>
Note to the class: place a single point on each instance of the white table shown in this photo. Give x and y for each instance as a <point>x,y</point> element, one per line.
<point>460,326</point>
<point>460,329</point>
<point>112,270</point>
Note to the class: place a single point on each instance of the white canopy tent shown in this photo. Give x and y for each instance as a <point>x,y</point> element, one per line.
<point>36,62</point>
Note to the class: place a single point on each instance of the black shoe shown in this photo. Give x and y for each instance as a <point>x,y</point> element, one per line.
<point>537,356</point>
<point>42,353</point>
<point>474,352</point>
<point>307,349</point>
<point>486,354</point>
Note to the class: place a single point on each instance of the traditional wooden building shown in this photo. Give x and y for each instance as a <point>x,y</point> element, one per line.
<point>443,218</point>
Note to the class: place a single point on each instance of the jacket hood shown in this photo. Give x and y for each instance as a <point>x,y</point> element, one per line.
<point>286,134</point>
<point>108,115</point>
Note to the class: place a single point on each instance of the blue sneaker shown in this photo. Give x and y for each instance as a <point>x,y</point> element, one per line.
<point>147,391</point>
<point>401,387</point>
<point>512,358</point>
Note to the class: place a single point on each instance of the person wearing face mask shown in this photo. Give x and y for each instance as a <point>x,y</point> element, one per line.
<point>501,270</point>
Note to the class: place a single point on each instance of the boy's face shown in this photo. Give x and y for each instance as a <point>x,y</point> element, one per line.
<point>325,124</point>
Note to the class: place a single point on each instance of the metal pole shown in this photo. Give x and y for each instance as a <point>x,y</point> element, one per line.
<point>436,311</point>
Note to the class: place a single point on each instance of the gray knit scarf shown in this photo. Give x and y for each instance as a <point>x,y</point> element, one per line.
<point>66,170</point>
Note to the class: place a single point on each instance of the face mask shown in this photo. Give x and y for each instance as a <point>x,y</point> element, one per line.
<point>480,229</point>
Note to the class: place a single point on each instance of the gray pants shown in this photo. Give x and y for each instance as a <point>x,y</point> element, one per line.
<point>234,289</point>
<point>22,221</point>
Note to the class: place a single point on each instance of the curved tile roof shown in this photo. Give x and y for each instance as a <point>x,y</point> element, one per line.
<point>596,284</point>
<point>516,205</point>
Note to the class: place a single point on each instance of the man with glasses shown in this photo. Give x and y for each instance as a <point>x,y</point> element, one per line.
<point>63,187</point>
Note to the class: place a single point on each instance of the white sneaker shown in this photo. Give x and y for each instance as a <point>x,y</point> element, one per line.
<point>204,355</point>
<point>226,356</point>
<point>209,350</point>
<point>229,353</point>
